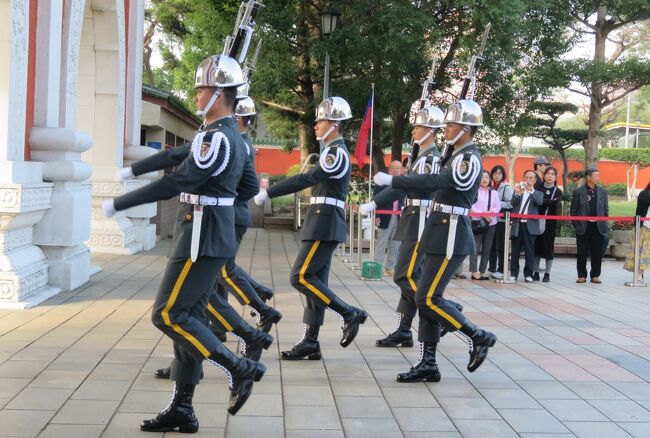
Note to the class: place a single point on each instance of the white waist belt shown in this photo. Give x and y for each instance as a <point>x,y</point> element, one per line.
<point>326,200</point>
<point>419,202</point>
<point>450,209</point>
<point>188,198</point>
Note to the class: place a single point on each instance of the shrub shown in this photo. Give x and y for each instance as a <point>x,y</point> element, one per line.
<point>294,170</point>
<point>617,189</point>
<point>622,225</point>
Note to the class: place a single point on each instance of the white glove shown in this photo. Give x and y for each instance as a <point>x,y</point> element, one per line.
<point>383,179</point>
<point>124,174</point>
<point>261,198</point>
<point>366,209</point>
<point>108,208</point>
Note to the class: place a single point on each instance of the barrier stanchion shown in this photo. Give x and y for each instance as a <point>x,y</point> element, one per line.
<point>357,267</point>
<point>507,279</point>
<point>297,212</point>
<point>637,256</point>
<point>372,270</point>
<point>350,258</point>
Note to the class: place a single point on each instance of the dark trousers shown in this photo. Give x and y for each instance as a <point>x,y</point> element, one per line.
<point>179,312</point>
<point>497,250</point>
<point>310,276</point>
<point>408,270</point>
<point>436,311</point>
<point>233,279</point>
<point>526,241</point>
<point>591,244</point>
<point>483,247</point>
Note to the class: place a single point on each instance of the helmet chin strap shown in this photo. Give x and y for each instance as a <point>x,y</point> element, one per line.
<point>204,112</point>
<point>328,132</point>
<point>424,138</point>
<point>458,136</point>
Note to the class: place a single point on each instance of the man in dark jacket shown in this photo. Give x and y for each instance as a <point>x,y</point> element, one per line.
<point>591,235</point>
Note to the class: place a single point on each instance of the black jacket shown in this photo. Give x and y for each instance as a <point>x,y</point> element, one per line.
<point>230,175</point>
<point>580,207</point>
<point>457,185</point>
<point>322,222</point>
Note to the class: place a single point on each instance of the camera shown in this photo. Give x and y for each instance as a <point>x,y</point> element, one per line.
<point>523,185</point>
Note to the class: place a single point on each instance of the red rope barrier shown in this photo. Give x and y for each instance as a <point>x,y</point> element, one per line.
<point>539,216</point>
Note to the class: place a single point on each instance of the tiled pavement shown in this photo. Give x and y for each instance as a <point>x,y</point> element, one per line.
<point>573,360</point>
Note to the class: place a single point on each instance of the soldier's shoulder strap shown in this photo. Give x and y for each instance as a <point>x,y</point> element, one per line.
<point>335,161</point>
<point>465,169</point>
<point>207,147</point>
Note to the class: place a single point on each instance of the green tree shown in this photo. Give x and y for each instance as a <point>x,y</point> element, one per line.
<point>605,80</point>
<point>543,122</point>
<point>635,160</point>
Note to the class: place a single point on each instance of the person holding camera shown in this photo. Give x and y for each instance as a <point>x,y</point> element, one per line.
<point>526,200</point>
<point>483,227</point>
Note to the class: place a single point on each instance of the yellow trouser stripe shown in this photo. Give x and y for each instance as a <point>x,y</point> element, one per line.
<point>170,303</point>
<point>224,275</point>
<point>304,267</point>
<point>219,317</point>
<point>409,273</point>
<point>432,289</point>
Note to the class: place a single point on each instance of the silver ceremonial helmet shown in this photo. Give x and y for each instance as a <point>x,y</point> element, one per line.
<point>465,112</point>
<point>430,117</point>
<point>245,107</point>
<point>335,109</point>
<point>218,71</point>
<point>242,90</point>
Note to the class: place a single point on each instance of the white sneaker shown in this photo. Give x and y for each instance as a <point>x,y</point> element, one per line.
<point>529,279</point>
<point>497,275</point>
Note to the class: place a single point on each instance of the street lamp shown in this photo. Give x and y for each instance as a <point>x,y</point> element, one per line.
<point>638,126</point>
<point>329,18</point>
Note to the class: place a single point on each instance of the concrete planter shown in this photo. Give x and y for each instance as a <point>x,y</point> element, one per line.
<point>624,240</point>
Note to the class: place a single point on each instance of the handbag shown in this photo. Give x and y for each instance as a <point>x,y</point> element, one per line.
<point>542,222</point>
<point>481,225</point>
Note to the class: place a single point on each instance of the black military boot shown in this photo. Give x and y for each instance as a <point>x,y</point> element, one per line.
<point>165,373</point>
<point>402,335</point>
<point>426,370</point>
<point>253,342</point>
<point>458,306</point>
<point>242,373</point>
<point>265,294</point>
<point>179,415</point>
<point>307,348</point>
<point>479,341</point>
<point>219,331</point>
<point>352,318</point>
<point>268,317</point>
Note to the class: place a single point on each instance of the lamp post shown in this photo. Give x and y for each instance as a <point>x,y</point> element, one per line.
<point>638,126</point>
<point>329,18</point>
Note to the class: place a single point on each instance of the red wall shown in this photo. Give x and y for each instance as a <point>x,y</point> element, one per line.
<point>275,161</point>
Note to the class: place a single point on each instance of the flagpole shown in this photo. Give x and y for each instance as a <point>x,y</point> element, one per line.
<point>372,118</point>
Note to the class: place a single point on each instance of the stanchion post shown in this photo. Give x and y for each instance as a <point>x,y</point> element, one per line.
<point>359,242</point>
<point>350,259</point>
<point>372,235</point>
<point>506,250</point>
<point>637,255</point>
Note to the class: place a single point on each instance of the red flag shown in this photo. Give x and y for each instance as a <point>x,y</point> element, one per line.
<point>364,132</point>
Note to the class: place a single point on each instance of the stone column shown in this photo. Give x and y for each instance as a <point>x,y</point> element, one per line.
<point>24,197</point>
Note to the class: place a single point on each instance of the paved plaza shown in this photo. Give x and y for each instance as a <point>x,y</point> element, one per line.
<point>572,360</point>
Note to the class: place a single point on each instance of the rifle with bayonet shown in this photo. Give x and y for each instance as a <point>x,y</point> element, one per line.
<point>236,45</point>
<point>425,100</point>
<point>469,83</point>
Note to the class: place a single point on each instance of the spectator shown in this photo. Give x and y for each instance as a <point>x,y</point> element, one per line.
<point>539,166</point>
<point>386,225</point>
<point>526,200</point>
<point>545,242</point>
<point>483,227</point>
<point>643,210</point>
<point>504,192</point>
<point>590,200</point>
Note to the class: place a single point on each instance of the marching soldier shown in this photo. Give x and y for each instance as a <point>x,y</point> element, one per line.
<point>323,230</point>
<point>233,278</point>
<point>446,240</point>
<point>411,224</point>
<point>208,181</point>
